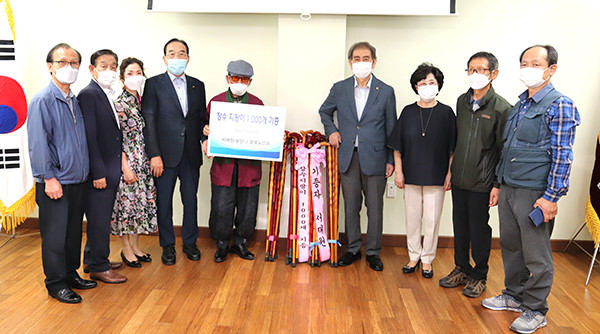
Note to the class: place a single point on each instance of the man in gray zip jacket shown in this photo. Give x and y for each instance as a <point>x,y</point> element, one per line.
<point>480,120</point>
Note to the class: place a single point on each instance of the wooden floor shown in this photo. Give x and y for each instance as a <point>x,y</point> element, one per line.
<point>240,296</point>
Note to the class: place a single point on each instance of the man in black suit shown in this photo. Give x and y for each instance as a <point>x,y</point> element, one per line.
<point>174,107</point>
<point>104,139</point>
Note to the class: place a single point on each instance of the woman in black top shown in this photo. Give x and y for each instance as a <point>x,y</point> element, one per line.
<point>423,140</point>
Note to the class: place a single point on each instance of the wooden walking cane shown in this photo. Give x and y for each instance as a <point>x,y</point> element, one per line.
<point>292,256</point>
<point>288,257</point>
<point>330,198</point>
<point>336,203</point>
<point>272,212</point>
<point>330,204</point>
<point>280,200</point>
<point>269,209</point>
<point>274,194</point>
<point>277,202</point>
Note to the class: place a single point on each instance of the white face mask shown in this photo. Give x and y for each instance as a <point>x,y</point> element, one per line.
<point>66,75</point>
<point>533,77</point>
<point>134,82</point>
<point>478,81</point>
<point>238,89</point>
<point>362,69</point>
<point>107,78</point>
<point>428,93</point>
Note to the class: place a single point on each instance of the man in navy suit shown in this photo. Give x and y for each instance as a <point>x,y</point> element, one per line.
<point>366,114</point>
<point>174,107</point>
<point>104,139</point>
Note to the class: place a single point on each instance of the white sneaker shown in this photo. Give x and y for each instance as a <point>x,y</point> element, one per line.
<point>502,302</point>
<point>528,322</point>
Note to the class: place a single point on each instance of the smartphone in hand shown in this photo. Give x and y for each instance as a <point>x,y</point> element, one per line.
<point>537,216</point>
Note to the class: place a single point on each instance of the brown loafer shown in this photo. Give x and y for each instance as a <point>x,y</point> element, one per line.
<point>113,265</point>
<point>109,276</point>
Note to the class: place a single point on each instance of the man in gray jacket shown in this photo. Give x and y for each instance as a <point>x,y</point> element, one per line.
<point>480,120</point>
<point>366,114</point>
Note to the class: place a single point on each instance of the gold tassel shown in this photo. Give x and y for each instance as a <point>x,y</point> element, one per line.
<point>10,17</point>
<point>592,221</point>
<point>18,212</point>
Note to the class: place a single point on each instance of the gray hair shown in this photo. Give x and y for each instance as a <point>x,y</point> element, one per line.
<point>362,45</point>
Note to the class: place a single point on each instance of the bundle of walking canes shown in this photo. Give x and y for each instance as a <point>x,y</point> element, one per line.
<point>312,227</point>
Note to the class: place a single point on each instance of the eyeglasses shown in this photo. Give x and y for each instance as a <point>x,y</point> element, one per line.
<point>423,84</point>
<point>478,70</point>
<point>237,78</point>
<point>63,63</point>
<point>178,55</point>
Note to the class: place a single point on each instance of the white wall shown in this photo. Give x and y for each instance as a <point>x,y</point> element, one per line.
<point>504,28</point>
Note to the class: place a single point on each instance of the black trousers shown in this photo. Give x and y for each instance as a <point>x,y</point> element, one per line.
<point>470,215</point>
<point>98,212</point>
<point>231,206</point>
<point>189,177</point>
<point>60,223</point>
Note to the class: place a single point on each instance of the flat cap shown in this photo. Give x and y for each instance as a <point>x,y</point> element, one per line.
<point>240,68</point>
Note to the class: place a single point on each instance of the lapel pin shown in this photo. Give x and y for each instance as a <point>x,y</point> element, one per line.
<point>376,87</point>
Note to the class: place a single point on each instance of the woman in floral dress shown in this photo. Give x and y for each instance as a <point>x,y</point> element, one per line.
<point>134,211</point>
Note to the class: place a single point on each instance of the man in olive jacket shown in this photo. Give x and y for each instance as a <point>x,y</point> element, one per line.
<point>481,117</point>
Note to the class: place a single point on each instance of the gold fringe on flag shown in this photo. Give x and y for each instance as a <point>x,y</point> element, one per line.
<point>10,16</point>
<point>18,212</point>
<point>592,221</point>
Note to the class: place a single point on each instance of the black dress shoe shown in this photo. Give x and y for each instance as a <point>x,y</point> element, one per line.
<point>144,258</point>
<point>65,296</point>
<point>221,254</point>
<point>375,262</point>
<point>242,251</point>
<point>133,264</point>
<point>168,255</point>
<point>192,252</point>
<point>409,270</point>
<point>82,284</point>
<point>427,273</point>
<point>348,258</point>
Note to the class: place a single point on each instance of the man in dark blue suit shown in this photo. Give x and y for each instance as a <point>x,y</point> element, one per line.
<point>174,107</point>
<point>366,114</point>
<point>104,139</point>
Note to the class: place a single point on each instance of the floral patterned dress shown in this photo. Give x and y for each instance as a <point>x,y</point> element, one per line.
<point>135,206</point>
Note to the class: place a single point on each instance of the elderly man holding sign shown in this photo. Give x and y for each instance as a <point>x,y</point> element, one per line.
<point>234,182</point>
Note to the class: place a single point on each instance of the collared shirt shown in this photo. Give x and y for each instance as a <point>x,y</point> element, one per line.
<point>57,143</point>
<point>361,94</point>
<point>562,118</point>
<point>476,104</point>
<point>180,84</point>
<point>109,92</point>
<point>68,98</point>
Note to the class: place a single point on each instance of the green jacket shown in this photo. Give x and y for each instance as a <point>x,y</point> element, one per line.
<point>479,141</point>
